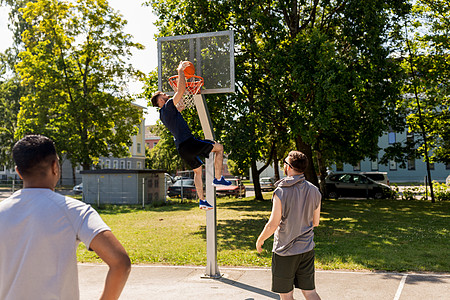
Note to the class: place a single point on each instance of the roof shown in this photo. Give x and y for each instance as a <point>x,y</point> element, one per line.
<point>122,171</point>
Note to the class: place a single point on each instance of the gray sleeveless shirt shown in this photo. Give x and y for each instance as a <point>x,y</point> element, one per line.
<point>299,198</point>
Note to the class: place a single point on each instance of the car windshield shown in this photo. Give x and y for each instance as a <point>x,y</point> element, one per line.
<point>185,182</point>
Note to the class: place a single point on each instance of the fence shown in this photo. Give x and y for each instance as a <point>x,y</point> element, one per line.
<point>11,184</point>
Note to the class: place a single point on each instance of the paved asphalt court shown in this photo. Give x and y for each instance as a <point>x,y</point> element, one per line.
<point>148,282</point>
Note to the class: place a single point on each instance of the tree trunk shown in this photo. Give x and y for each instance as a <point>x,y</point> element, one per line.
<point>74,178</point>
<point>276,168</point>
<point>256,185</point>
<point>323,173</point>
<point>310,172</point>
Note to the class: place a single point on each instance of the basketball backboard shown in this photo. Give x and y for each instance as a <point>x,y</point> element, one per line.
<point>212,54</point>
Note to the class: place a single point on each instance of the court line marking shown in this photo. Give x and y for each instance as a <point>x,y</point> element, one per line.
<point>400,287</point>
<point>268,269</point>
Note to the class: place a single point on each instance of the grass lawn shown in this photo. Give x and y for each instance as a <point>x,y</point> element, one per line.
<point>389,235</point>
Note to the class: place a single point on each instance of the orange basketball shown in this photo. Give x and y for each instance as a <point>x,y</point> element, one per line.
<point>189,71</point>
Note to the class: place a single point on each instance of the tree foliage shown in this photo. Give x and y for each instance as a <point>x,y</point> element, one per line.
<point>74,62</point>
<point>314,72</point>
<point>10,93</point>
<point>430,60</point>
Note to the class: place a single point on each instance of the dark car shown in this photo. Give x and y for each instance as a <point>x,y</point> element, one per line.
<point>183,186</point>
<point>380,177</point>
<point>236,188</point>
<point>355,185</point>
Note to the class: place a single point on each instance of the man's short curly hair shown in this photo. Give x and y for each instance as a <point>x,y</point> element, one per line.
<point>298,160</point>
<point>33,154</point>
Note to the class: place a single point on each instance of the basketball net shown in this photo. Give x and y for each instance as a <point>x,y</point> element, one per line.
<point>193,86</point>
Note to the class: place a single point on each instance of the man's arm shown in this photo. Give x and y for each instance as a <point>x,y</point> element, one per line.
<point>316,216</point>
<point>109,249</point>
<point>181,85</point>
<point>272,224</point>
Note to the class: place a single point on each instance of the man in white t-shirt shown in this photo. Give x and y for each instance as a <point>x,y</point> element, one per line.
<point>40,231</point>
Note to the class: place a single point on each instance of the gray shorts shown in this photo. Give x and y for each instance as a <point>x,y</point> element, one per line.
<point>289,271</point>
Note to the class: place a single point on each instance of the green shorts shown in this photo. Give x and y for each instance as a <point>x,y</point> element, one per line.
<point>296,270</point>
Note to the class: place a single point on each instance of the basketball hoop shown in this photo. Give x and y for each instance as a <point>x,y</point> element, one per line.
<point>193,86</point>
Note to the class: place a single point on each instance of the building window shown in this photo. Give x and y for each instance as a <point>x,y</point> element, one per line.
<point>138,147</point>
<point>115,164</point>
<point>392,165</point>
<point>139,165</point>
<point>128,165</point>
<point>122,164</point>
<point>155,143</point>
<point>357,167</point>
<point>391,137</point>
<point>78,169</point>
<point>411,164</point>
<point>374,165</point>
<point>2,169</point>
<point>107,164</point>
<point>12,171</point>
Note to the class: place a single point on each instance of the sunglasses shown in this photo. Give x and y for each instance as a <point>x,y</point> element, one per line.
<point>284,160</point>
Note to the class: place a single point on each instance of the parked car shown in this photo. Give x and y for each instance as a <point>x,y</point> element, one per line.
<point>185,186</point>
<point>78,189</point>
<point>169,180</point>
<point>355,185</point>
<point>267,183</point>
<point>377,176</point>
<point>236,188</point>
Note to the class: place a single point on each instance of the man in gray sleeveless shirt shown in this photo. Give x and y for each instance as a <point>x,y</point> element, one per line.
<point>295,213</point>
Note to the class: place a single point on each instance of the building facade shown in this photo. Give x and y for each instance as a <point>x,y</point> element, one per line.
<point>414,171</point>
<point>136,160</point>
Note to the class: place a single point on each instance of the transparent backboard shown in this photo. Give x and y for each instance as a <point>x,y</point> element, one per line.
<point>211,53</point>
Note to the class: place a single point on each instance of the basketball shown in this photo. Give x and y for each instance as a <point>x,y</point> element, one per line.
<point>189,71</point>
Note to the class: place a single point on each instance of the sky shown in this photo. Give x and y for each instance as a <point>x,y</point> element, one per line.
<point>140,26</point>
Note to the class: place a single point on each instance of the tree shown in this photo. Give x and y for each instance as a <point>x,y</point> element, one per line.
<point>317,73</point>
<point>425,59</point>
<point>75,65</point>
<point>429,57</point>
<point>10,93</point>
<point>164,155</point>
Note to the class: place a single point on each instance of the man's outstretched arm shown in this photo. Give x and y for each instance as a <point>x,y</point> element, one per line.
<point>181,85</point>
<point>109,249</point>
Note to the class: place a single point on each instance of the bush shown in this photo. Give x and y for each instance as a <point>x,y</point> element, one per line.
<point>441,191</point>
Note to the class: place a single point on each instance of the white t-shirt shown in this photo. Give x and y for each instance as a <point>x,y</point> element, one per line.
<point>39,234</point>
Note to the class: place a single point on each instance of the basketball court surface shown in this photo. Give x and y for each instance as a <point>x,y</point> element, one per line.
<point>148,282</point>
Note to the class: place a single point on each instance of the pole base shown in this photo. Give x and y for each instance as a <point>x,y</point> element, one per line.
<point>215,276</point>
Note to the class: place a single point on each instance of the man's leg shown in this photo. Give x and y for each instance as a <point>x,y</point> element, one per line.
<point>311,295</point>
<point>218,159</point>
<point>199,182</point>
<point>287,296</point>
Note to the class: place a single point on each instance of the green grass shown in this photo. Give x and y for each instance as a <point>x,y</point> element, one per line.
<point>386,235</point>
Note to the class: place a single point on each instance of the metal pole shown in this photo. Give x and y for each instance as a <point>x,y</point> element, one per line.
<point>181,191</point>
<point>98,191</point>
<point>212,270</point>
<point>143,193</point>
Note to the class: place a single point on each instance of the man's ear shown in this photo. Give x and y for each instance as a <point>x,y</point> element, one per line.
<point>17,171</point>
<point>55,167</point>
